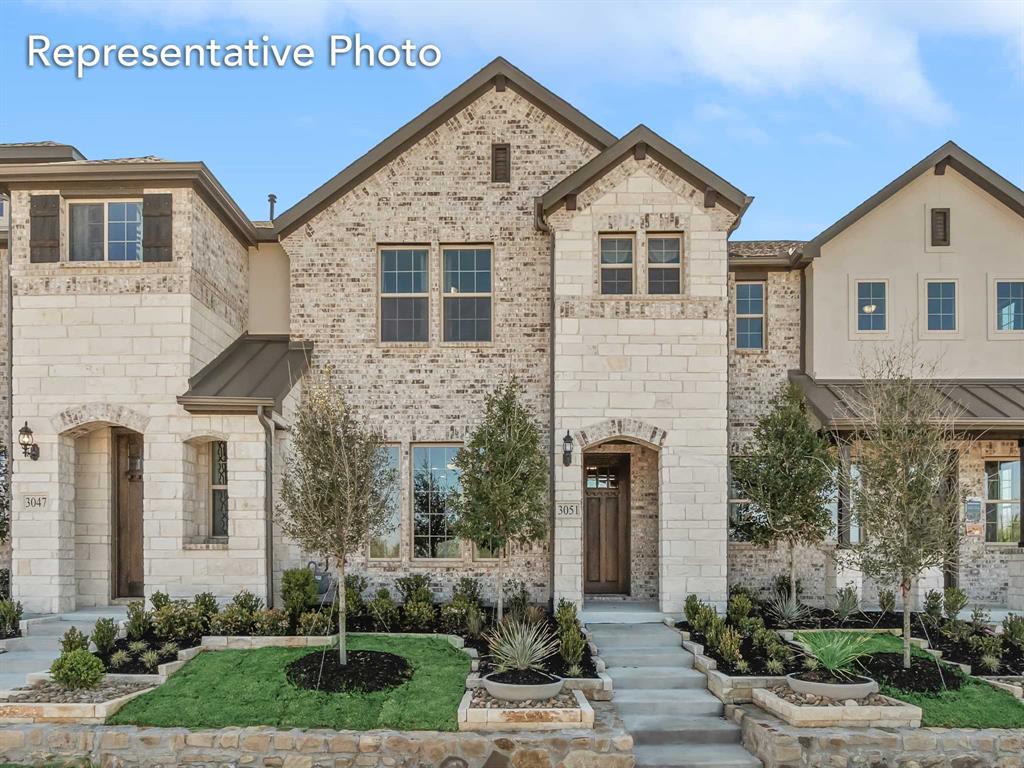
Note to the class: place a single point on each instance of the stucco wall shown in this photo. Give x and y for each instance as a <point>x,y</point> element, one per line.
<point>269,289</point>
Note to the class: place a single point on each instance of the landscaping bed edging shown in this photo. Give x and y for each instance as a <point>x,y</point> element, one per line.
<point>780,745</point>
<point>12,712</point>
<point>525,718</point>
<point>899,715</point>
<point>1015,689</point>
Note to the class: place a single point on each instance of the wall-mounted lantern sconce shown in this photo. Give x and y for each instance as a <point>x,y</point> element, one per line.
<point>567,449</point>
<point>28,445</point>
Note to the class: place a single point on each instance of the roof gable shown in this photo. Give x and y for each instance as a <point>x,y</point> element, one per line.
<point>498,74</point>
<point>642,141</point>
<point>948,155</point>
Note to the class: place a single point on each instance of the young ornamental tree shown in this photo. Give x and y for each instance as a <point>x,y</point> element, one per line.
<point>787,471</point>
<point>908,501</point>
<point>503,470</point>
<point>336,487</point>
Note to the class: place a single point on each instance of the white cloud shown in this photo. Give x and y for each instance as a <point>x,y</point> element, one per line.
<point>735,122</point>
<point>867,50</point>
<point>826,138</point>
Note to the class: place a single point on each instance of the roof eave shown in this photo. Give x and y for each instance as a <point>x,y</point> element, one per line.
<point>225,405</point>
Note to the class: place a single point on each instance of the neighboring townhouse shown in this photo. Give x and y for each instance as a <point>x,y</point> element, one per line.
<point>159,339</point>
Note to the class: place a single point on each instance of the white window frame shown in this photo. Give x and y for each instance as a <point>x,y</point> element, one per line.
<point>106,202</point>
<point>763,316</point>
<point>991,322</point>
<point>649,265</point>
<point>631,236</point>
<point>855,332</point>
<point>922,301</point>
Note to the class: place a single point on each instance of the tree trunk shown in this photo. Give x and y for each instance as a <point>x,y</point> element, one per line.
<point>792,570</point>
<point>342,609</point>
<point>501,591</point>
<point>905,590</point>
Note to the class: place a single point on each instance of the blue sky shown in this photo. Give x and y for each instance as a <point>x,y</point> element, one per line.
<point>810,107</point>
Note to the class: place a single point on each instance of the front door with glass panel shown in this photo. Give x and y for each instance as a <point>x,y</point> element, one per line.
<point>606,524</point>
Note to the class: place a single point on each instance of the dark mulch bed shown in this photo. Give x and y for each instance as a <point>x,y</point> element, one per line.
<point>366,671</point>
<point>523,677</point>
<point>924,675</point>
<point>753,655</point>
<point>823,618</point>
<point>135,666</point>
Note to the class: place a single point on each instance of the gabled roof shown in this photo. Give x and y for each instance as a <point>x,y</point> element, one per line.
<point>255,370</point>
<point>948,155</point>
<point>669,155</point>
<point>499,73</point>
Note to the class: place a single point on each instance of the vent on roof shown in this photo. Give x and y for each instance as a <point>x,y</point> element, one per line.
<point>940,226</point>
<point>501,163</point>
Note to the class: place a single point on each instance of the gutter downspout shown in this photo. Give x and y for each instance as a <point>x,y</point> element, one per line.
<point>542,225</point>
<point>268,498</point>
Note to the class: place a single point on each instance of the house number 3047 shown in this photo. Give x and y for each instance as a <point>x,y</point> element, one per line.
<point>35,502</point>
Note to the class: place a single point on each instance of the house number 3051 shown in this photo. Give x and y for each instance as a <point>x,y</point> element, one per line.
<point>567,510</point>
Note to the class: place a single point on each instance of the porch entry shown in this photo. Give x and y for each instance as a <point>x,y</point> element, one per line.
<point>127,513</point>
<point>606,521</point>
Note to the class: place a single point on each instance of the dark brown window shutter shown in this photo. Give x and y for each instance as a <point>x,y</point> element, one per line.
<point>501,163</point>
<point>156,227</point>
<point>44,235</point>
<point>940,226</point>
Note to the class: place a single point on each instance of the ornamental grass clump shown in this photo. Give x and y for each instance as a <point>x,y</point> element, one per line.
<point>520,646</point>
<point>836,652</point>
<point>787,610</point>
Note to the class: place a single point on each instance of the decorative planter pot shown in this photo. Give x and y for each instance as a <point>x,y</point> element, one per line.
<point>513,692</point>
<point>839,691</point>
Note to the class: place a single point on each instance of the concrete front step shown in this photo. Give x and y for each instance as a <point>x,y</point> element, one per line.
<point>651,658</point>
<point>698,756</point>
<point>33,643</point>
<point>656,677</point>
<point>670,701</point>
<point>643,643</point>
<point>680,730</point>
<point>57,628</point>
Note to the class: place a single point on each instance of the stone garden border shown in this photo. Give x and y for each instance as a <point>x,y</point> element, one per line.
<point>1015,689</point>
<point>525,718</point>
<point>15,712</point>
<point>899,715</point>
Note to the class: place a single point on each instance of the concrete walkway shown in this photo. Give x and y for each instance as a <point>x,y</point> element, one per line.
<point>664,702</point>
<point>39,643</point>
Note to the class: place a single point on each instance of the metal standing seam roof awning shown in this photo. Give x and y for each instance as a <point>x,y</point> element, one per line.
<point>254,371</point>
<point>981,403</point>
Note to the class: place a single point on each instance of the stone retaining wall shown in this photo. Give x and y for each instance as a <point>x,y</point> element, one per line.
<point>779,745</point>
<point>607,746</point>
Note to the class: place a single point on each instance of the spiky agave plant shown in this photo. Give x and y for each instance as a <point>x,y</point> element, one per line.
<point>521,645</point>
<point>787,610</point>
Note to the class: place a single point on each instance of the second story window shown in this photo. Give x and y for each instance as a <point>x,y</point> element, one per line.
<point>664,265</point>
<point>219,488</point>
<point>941,305</point>
<point>404,301</point>
<point>1010,305</point>
<point>110,231</point>
<point>750,315</point>
<point>616,264</point>
<point>467,294</point>
<point>871,307</point>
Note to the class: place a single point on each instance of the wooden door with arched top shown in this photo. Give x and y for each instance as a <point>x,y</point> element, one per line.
<point>129,578</point>
<point>606,524</point>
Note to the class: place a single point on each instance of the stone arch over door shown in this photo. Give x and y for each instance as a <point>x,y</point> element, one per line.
<point>633,430</point>
<point>79,419</point>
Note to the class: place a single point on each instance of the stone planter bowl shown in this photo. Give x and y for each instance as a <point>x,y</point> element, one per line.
<point>839,691</point>
<point>512,692</point>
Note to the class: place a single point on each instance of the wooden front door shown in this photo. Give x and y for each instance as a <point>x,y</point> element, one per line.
<point>606,524</point>
<point>127,497</point>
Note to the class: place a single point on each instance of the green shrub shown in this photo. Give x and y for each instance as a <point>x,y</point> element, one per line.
<point>703,618</point>
<point>781,652</point>
<point>150,659</point>
<point>169,649</point>
<point>355,586</point>
<point>565,615</point>
<point>727,643</point>
<point>764,638</point>
<point>314,624</point>
<point>384,611</point>
<point>954,600</point>
<point>298,591</point>
<point>104,634</point>
<point>270,622</point>
<point>739,608</point>
<point>836,652</point>
<point>232,620</point>
<point>139,622</point>
<point>180,621</point>
<point>713,629</point>
<point>933,607</point>
<point>980,619</point>
<point>138,647</point>
<point>847,602</point>
<point>775,667</point>
<point>415,588</point>
<point>986,645</point>
<point>159,599</point>
<point>119,659</point>
<point>74,640</point>
<point>10,618</point>
<point>1013,629</point>
<point>516,598</point>
<point>571,644</point>
<point>521,645</point>
<point>5,581</point>
<point>247,601</point>
<point>418,616</point>
<point>887,601</point>
<point>742,667</point>
<point>691,605</point>
<point>958,631</point>
<point>452,617</point>
<point>474,621</point>
<point>206,608</point>
<point>77,669</point>
<point>468,591</point>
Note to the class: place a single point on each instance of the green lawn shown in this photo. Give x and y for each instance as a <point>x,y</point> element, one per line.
<point>248,687</point>
<point>975,705</point>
